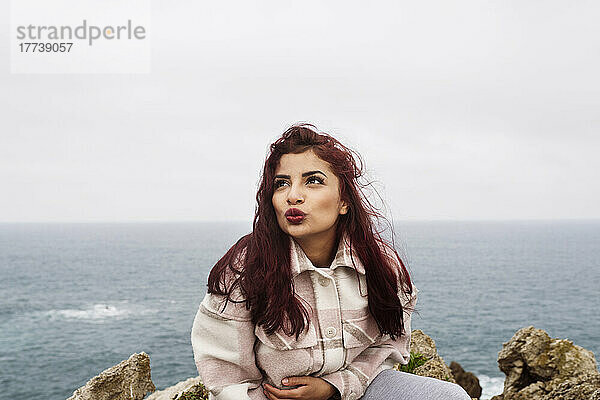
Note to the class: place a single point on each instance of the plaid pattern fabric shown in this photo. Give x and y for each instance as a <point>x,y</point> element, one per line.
<point>342,344</point>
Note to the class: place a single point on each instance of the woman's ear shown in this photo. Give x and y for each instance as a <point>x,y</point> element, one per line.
<point>344,208</point>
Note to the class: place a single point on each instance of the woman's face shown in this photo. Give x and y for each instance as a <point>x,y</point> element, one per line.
<point>306,183</point>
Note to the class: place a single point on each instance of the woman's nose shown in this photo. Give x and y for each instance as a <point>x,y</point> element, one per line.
<point>295,197</point>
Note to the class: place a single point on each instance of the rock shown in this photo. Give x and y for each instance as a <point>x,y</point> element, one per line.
<point>176,390</point>
<point>467,380</point>
<point>540,368</point>
<point>196,392</point>
<point>128,380</point>
<point>435,367</point>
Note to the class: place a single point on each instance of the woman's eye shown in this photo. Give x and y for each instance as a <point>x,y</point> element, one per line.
<point>314,179</point>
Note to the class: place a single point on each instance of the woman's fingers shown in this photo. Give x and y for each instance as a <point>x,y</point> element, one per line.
<point>285,394</point>
<point>269,395</point>
<point>298,380</point>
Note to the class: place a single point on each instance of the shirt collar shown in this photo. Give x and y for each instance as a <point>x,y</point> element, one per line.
<point>300,261</point>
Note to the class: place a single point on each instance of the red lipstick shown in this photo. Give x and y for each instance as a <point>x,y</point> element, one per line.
<point>294,215</point>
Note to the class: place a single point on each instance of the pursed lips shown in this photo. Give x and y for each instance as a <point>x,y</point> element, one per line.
<point>294,216</point>
<point>294,212</point>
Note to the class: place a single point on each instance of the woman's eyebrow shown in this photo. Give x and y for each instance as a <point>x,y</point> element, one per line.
<point>304,174</point>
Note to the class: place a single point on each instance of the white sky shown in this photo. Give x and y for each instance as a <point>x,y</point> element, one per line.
<point>461,110</point>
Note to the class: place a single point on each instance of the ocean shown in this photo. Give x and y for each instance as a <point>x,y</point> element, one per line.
<point>79,298</point>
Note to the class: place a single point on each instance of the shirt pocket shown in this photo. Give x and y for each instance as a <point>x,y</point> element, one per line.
<point>360,332</point>
<point>281,341</point>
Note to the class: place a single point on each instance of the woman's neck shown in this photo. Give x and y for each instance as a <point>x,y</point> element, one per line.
<point>320,251</point>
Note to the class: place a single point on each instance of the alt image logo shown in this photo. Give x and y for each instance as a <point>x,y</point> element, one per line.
<point>76,36</point>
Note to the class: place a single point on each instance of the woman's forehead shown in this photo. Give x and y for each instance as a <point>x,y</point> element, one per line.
<point>301,162</point>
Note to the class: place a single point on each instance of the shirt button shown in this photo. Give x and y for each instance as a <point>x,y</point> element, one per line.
<point>352,396</point>
<point>330,332</point>
<point>323,281</point>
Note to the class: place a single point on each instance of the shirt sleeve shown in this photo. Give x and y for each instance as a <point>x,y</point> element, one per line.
<point>223,344</point>
<point>352,381</point>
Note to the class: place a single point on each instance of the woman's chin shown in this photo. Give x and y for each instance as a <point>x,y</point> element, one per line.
<point>297,230</point>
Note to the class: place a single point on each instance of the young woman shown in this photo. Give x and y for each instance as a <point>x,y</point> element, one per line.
<point>313,304</point>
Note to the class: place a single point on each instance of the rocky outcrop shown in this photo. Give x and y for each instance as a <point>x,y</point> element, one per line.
<point>467,380</point>
<point>128,380</point>
<point>536,367</point>
<point>540,368</point>
<point>434,367</point>
<point>188,386</point>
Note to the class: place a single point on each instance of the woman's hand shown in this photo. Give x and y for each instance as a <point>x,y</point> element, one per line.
<point>312,389</point>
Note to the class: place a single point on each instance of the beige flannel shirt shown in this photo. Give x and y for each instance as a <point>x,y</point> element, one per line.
<point>343,344</point>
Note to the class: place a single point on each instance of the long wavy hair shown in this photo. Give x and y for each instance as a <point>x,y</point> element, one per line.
<point>258,266</point>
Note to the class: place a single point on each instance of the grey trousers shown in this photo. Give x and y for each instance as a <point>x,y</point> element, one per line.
<point>396,385</point>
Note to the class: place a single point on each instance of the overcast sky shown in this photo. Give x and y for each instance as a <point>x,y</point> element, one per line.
<point>461,110</point>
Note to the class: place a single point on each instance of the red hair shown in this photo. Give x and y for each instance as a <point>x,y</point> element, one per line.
<point>265,280</point>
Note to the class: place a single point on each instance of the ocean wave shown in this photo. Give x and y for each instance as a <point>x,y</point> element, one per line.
<point>96,312</point>
<point>490,386</point>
